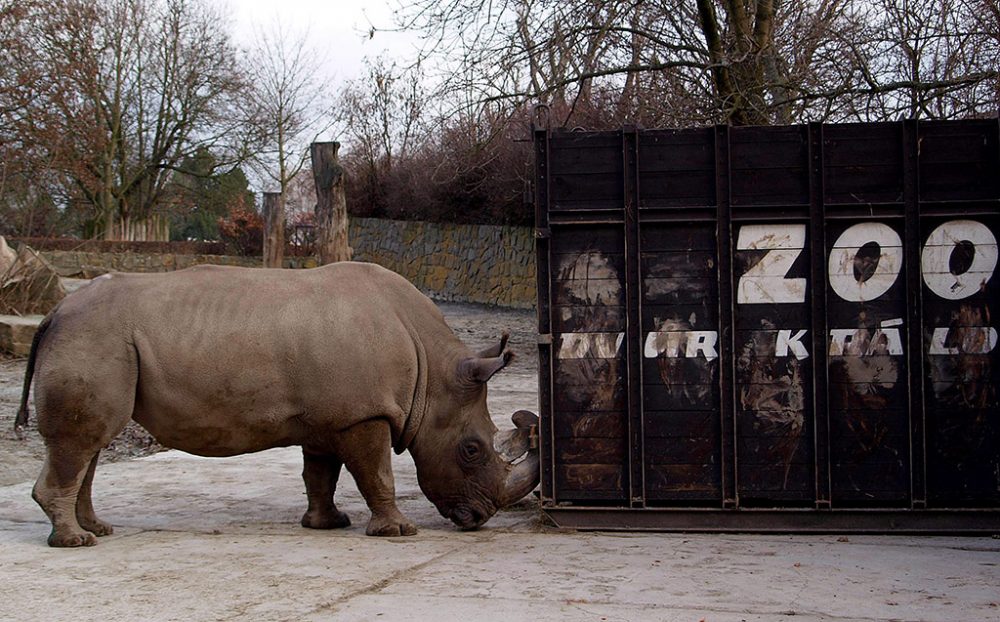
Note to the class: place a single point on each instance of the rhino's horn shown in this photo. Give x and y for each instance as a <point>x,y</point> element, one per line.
<point>480,369</point>
<point>495,350</point>
<point>525,475</point>
<point>512,444</point>
<point>522,479</point>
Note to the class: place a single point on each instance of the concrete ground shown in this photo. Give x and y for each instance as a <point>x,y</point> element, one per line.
<point>218,539</point>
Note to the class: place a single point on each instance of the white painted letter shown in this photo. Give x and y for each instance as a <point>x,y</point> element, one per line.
<point>848,341</point>
<point>765,282</point>
<point>786,341</point>
<point>669,344</point>
<point>589,345</point>
<point>935,261</point>
<point>846,248</point>
<point>666,343</point>
<point>702,341</point>
<point>973,340</point>
<point>979,339</point>
<point>887,339</point>
<point>938,337</point>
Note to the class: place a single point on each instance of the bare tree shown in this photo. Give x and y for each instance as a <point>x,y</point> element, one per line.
<point>381,116</point>
<point>599,63</point>
<point>24,171</point>
<point>933,58</point>
<point>287,94</point>
<point>132,89</point>
<point>738,61</point>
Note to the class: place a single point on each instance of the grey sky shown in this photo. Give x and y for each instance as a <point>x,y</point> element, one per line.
<point>337,28</point>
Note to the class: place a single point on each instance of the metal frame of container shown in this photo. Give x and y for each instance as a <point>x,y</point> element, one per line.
<point>751,328</point>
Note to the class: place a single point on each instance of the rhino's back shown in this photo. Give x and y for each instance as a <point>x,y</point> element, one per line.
<point>232,360</point>
<point>211,297</point>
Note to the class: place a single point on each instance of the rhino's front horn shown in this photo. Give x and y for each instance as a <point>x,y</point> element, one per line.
<point>524,476</point>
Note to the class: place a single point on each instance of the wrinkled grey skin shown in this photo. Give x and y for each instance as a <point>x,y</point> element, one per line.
<point>347,361</point>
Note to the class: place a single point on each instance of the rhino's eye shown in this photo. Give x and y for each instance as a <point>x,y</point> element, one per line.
<point>472,452</point>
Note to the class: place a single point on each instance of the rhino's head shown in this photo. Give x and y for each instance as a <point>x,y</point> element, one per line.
<point>464,466</point>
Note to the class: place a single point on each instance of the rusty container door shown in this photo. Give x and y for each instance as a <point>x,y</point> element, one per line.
<point>586,300</point>
<point>958,169</point>
<point>679,267</point>
<point>774,364</point>
<point>770,329</point>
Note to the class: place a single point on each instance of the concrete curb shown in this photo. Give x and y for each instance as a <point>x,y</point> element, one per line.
<point>16,333</point>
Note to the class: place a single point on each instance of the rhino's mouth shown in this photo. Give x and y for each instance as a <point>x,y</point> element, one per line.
<point>467,518</point>
<point>518,448</point>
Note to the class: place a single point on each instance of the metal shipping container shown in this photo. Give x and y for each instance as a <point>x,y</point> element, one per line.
<point>770,328</point>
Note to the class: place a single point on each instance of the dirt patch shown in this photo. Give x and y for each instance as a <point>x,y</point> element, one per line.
<point>21,460</point>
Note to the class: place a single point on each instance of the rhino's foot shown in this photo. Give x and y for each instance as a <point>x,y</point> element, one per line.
<point>72,539</point>
<point>96,526</point>
<point>391,525</point>
<point>325,520</point>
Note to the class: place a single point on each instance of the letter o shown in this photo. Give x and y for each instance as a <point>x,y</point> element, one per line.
<point>936,259</point>
<point>846,248</point>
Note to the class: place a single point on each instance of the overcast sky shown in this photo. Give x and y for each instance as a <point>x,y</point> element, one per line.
<point>337,28</point>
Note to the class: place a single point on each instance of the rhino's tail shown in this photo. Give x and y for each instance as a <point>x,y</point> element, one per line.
<point>21,419</point>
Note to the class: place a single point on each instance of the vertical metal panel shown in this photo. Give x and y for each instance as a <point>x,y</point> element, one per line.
<point>773,376</point>
<point>633,301</point>
<point>914,316</point>
<point>962,364</point>
<point>590,405</point>
<point>724,260</point>
<point>960,303</point>
<point>746,318</point>
<point>543,263</point>
<point>817,232</point>
<point>679,307</point>
<point>867,367</point>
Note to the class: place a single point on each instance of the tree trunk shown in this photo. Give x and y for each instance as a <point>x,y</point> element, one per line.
<point>274,230</point>
<point>331,204</point>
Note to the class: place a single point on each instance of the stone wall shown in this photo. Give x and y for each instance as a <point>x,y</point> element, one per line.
<point>466,263</point>
<point>463,263</point>
<point>87,264</point>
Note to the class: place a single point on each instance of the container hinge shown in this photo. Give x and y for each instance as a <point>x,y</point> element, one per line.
<point>545,339</point>
<point>543,233</point>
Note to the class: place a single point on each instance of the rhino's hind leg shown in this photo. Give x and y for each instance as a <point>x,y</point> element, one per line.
<point>320,473</point>
<point>85,507</point>
<point>57,491</point>
<point>366,451</point>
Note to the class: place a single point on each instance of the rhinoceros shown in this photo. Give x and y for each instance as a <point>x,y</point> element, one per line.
<point>348,361</point>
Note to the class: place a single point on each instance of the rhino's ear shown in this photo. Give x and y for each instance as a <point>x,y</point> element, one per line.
<point>479,370</point>
<point>494,351</point>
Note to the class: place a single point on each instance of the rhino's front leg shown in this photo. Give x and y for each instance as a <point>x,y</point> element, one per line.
<point>320,472</point>
<point>366,451</point>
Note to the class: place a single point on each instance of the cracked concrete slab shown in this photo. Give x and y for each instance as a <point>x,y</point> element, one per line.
<point>218,539</point>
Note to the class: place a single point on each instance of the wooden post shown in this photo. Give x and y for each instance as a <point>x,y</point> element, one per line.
<point>274,230</point>
<point>331,204</point>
